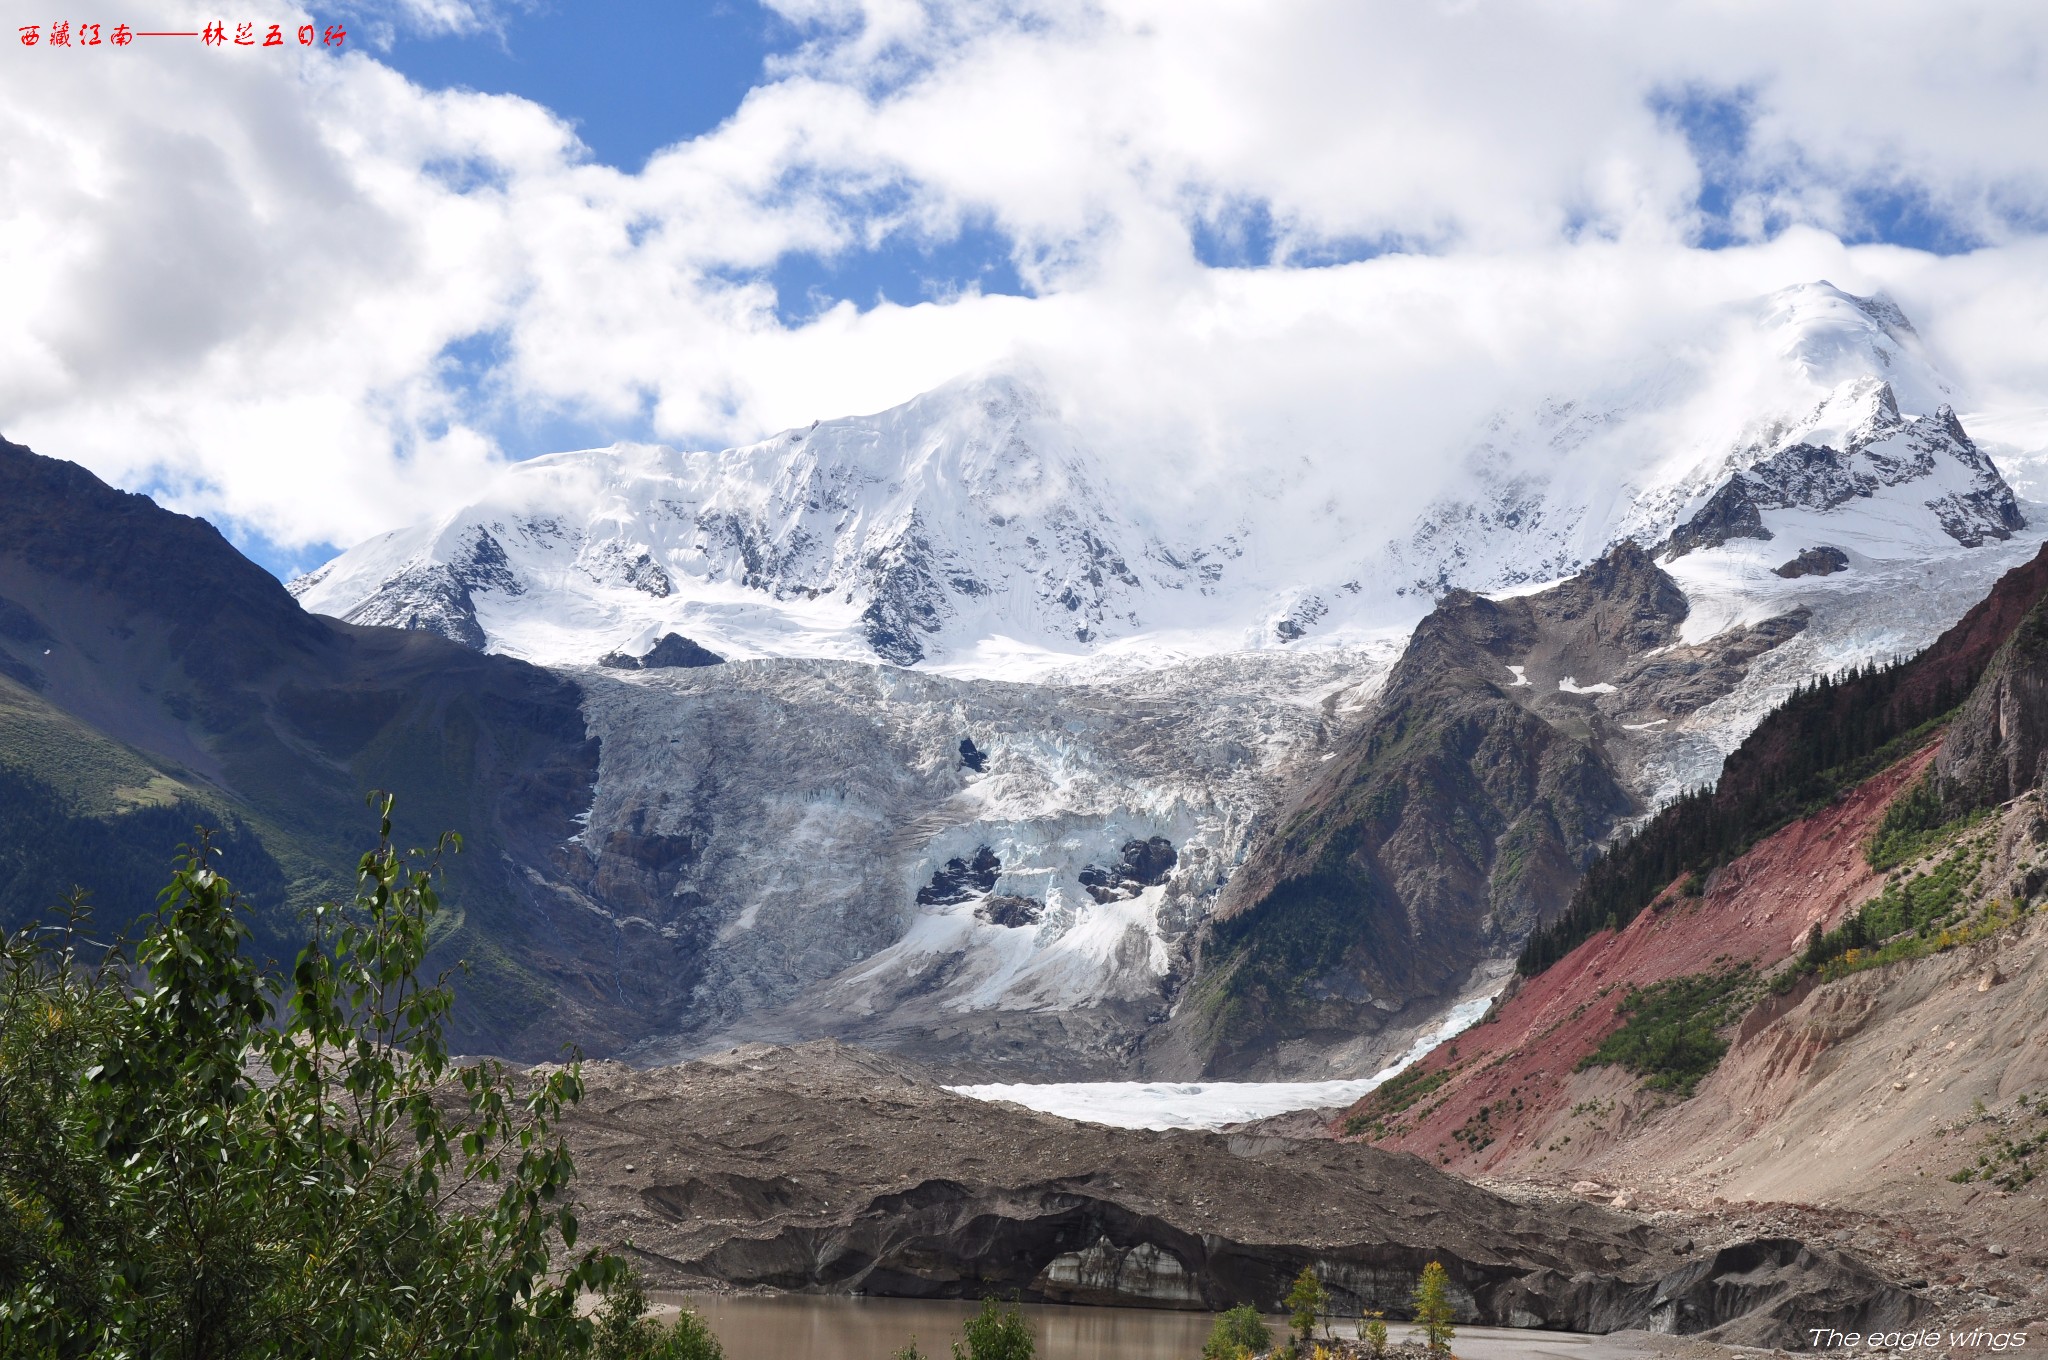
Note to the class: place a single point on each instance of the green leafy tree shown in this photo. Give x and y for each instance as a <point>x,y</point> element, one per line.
<point>201,1162</point>
<point>1239,1332</point>
<point>910,1352</point>
<point>1433,1308</point>
<point>997,1333</point>
<point>1305,1302</point>
<point>1373,1333</point>
<point>626,1332</point>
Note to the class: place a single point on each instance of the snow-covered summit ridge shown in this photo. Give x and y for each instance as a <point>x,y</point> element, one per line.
<point>1808,400</point>
<point>968,512</point>
<point>976,530</point>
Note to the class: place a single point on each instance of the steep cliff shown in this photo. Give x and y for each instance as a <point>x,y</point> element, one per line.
<point>1460,817</point>
<point>823,1169</point>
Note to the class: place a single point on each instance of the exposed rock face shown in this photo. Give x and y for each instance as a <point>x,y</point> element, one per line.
<point>1870,1109</point>
<point>436,596</point>
<point>612,562</point>
<point>1994,749</point>
<point>962,880</point>
<point>1730,512</point>
<point>1821,561</point>
<point>825,1169</point>
<point>672,652</point>
<point>1302,616</point>
<point>1145,864</point>
<point>972,757</point>
<point>1007,910</point>
<point>1462,814</point>
<point>1504,1092</point>
<point>1970,501</point>
<point>430,598</point>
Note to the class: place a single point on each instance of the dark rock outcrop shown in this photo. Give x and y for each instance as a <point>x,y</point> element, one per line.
<point>428,599</point>
<point>1460,816</point>
<point>1454,821</point>
<point>438,598</point>
<point>1003,909</point>
<point>972,757</point>
<point>1822,561</point>
<point>1995,747</point>
<point>673,651</point>
<point>908,598</point>
<point>1889,450</point>
<point>1304,615</point>
<point>1143,864</point>
<point>1682,679</point>
<point>962,880</point>
<point>1729,513</point>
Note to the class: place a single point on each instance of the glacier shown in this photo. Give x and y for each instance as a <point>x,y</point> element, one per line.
<point>786,843</point>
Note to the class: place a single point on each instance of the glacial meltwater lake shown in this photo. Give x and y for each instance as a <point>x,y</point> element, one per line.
<point>823,1327</point>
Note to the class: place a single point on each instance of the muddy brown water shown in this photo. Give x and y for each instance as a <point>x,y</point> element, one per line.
<point>814,1327</point>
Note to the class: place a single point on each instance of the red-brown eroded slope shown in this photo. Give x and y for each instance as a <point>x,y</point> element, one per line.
<point>1517,1067</point>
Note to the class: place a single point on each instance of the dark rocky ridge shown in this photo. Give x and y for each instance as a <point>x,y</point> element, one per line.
<point>824,1169</point>
<point>1011,911</point>
<point>1460,816</point>
<point>1142,864</point>
<point>437,598</point>
<point>1890,450</point>
<point>1822,561</point>
<point>672,652</point>
<point>1994,748</point>
<point>193,666</point>
<point>962,879</point>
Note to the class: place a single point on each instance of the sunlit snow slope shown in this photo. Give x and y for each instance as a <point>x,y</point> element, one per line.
<point>973,528</point>
<point>967,517</point>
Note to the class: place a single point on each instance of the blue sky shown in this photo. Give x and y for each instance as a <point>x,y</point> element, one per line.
<point>635,76</point>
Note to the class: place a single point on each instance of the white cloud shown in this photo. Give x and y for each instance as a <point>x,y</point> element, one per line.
<point>239,274</point>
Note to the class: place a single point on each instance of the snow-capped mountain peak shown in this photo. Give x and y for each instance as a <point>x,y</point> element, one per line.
<point>975,529</point>
<point>1810,401</point>
<point>1827,336</point>
<point>967,511</point>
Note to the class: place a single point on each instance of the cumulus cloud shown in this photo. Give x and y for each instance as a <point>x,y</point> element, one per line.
<point>299,292</point>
